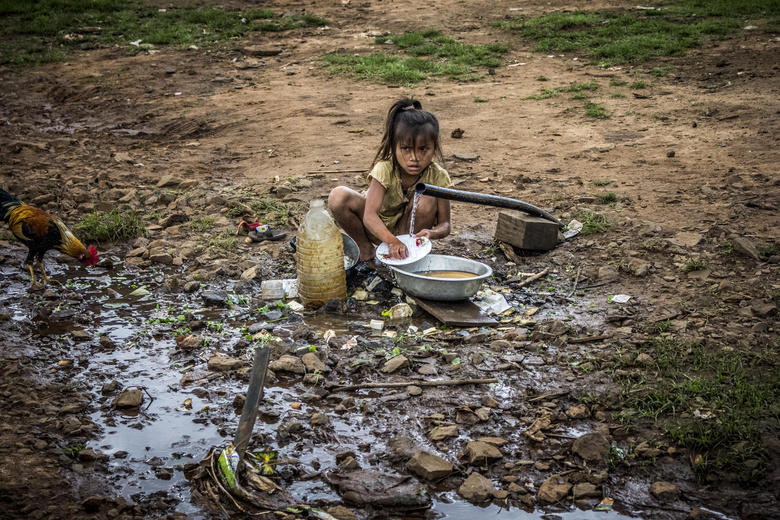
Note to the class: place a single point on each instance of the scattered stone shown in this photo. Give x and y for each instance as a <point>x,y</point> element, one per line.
<point>608,273</point>
<point>414,390</point>
<point>394,364</point>
<point>579,411</point>
<point>479,453</point>
<point>665,491</point>
<point>319,419</point>
<point>645,359</point>
<point>586,490</point>
<point>168,181</point>
<point>466,156</point>
<point>687,239</point>
<point>500,345</point>
<point>288,363</point>
<point>517,489</point>
<point>214,298</point>
<point>220,363</point>
<point>764,309</point>
<point>428,466</point>
<point>439,433</point>
<point>191,342</point>
<point>313,363</point>
<point>495,441</point>
<point>554,489</point>
<point>365,488</point>
<point>129,398</point>
<point>592,447</point>
<point>745,246</point>
<point>476,488</point>
<point>401,449</point>
<point>253,273</point>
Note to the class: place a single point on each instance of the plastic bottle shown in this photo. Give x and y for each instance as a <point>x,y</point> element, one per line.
<point>320,258</point>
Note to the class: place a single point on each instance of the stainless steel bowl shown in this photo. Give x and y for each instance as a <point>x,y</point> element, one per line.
<point>351,251</point>
<point>442,289</point>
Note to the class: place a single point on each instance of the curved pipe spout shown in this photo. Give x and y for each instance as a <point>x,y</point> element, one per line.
<point>486,200</point>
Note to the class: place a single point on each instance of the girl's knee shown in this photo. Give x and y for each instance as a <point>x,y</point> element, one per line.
<point>338,196</point>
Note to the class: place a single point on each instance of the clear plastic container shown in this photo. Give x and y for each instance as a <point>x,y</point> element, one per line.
<point>320,258</point>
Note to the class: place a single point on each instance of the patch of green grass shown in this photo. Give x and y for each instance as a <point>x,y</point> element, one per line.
<point>429,54</point>
<point>480,100</point>
<point>100,226</point>
<point>618,82</point>
<point>660,72</point>
<point>769,250</point>
<point>200,224</point>
<point>225,241</point>
<point>542,78</point>
<point>617,95</point>
<point>575,88</point>
<point>660,117</point>
<point>607,198</point>
<point>36,32</point>
<point>709,400</point>
<point>695,264</point>
<point>726,248</point>
<point>596,110</point>
<point>617,37</point>
<point>637,85</point>
<point>601,183</point>
<point>593,224</point>
<point>275,212</point>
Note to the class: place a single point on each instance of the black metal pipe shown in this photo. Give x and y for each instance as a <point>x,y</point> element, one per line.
<point>486,200</point>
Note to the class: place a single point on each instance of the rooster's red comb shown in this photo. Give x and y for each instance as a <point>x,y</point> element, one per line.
<point>94,258</point>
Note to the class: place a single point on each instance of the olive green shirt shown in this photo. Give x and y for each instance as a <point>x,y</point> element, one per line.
<point>395,200</point>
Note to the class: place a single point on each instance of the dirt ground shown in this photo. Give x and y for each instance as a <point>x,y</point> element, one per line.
<point>693,160</point>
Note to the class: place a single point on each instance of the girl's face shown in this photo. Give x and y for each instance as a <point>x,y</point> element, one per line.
<point>414,157</point>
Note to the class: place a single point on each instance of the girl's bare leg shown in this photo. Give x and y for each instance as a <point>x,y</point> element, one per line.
<point>347,207</point>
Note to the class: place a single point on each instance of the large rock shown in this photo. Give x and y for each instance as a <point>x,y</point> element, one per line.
<point>554,489</point>
<point>288,363</point>
<point>439,433</point>
<point>592,447</point>
<point>476,488</point>
<point>665,491</point>
<point>364,488</point>
<point>130,398</point>
<point>221,363</point>
<point>429,466</point>
<point>479,453</point>
<point>586,490</point>
<point>313,363</point>
<point>401,448</point>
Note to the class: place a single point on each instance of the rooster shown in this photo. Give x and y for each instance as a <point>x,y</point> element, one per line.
<point>41,231</point>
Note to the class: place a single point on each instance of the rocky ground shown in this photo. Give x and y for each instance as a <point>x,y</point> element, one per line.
<point>191,140</point>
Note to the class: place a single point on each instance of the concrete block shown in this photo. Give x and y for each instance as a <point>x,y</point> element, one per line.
<point>526,232</point>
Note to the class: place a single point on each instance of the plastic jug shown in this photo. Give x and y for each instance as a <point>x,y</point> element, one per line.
<point>319,257</point>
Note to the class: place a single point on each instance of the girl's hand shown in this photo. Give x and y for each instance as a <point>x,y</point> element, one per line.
<point>397,250</point>
<point>427,233</point>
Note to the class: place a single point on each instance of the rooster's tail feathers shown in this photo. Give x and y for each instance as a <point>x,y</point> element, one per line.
<point>7,203</point>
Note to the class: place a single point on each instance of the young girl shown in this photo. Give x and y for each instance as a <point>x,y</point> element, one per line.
<point>406,157</point>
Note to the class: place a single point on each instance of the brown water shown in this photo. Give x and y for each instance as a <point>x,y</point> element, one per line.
<point>448,274</point>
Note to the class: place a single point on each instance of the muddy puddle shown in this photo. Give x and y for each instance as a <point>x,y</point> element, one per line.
<point>119,329</point>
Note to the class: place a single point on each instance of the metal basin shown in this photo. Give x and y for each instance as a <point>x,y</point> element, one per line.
<point>351,251</point>
<point>412,282</point>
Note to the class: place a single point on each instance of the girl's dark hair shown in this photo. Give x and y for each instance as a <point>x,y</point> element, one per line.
<point>406,123</point>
